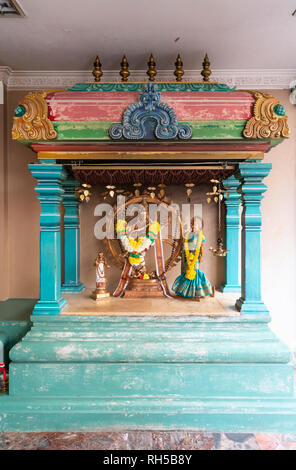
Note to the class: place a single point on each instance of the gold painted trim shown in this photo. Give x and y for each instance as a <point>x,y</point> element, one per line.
<point>55,90</point>
<point>150,155</point>
<point>128,167</point>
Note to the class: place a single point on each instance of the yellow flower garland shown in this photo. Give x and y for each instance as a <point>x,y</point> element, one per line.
<point>136,247</point>
<point>135,244</point>
<point>190,258</point>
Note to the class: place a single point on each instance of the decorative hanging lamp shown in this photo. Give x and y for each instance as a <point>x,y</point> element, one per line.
<point>217,195</point>
<point>189,189</point>
<point>83,192</point>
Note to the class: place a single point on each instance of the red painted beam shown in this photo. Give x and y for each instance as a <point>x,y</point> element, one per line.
<point>189,106</point>
<point>158,147</point>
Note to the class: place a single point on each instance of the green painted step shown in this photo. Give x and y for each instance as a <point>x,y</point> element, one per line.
<point>97,414</point>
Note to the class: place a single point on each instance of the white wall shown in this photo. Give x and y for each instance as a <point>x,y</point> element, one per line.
<point>279,232</point>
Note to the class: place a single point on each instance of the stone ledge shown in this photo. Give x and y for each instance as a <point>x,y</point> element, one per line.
<point>64,414</point>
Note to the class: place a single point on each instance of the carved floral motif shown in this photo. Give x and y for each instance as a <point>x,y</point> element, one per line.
<point>31,119</point>
<point>269,120</point>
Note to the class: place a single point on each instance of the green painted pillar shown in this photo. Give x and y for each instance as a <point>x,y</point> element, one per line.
<point>50,178</point>
<point>251,176</point>
<point>71,239</point>
<point>232,203</point>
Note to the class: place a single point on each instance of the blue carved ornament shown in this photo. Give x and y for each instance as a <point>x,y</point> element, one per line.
<point>150,119</point>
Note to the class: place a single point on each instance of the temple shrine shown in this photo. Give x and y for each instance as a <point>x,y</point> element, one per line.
<point>152,343</point>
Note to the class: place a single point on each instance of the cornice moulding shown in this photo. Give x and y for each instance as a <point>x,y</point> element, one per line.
<point>5,73</point>
<point>246,79</point>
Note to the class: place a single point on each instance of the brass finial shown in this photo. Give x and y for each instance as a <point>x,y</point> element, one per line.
<point>179,72</point>
<point>97,71</point>
<point>124,69</point>
<point>151,69</point>
<point>206,71</point>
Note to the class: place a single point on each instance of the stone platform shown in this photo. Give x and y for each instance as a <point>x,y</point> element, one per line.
<point>136,370</point>
<point>82,303</point>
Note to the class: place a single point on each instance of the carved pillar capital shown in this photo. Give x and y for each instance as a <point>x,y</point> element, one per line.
<point>50,192</point>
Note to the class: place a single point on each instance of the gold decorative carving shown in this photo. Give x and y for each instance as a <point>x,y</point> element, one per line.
<point>97,71</point>
<point>34,123</point>
<point>206,71</point>
<point>266,123</point>
<point>179,72</point>
<point>151,69</point>
<point>124,72</point>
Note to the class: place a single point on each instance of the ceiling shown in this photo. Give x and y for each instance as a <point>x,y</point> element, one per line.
<point>68,34</point>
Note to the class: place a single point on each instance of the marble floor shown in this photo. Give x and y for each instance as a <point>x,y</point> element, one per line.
<point>146,440</point>
<point>83,304</point>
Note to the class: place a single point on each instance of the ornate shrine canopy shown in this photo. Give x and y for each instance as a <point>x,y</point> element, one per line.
<point>130,123</point>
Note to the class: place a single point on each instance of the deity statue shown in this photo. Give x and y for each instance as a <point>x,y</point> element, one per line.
<point>100,264</point>
<point>192,283</point>
<point>134,270</point>
<point>137,248</point>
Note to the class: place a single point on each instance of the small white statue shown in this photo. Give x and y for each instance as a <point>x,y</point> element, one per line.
<point>100,264</point>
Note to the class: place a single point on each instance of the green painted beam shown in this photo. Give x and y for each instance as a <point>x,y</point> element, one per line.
<point>173,86</point>
<point>98,130</point>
